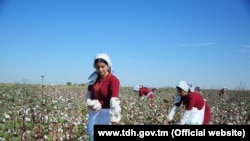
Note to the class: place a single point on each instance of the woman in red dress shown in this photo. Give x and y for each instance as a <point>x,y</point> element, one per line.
<point>197,110</point>
<point>102,97</point>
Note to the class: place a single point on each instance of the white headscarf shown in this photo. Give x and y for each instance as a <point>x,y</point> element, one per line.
<point>136,87</point>
<point>186,86</point>
<point>92,78</point>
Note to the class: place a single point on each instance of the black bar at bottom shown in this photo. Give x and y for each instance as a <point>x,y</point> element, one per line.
<point>172,132</point>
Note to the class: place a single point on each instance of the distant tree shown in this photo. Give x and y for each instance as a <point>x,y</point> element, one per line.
<point>69,83</point>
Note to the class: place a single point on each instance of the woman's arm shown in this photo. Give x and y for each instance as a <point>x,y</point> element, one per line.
<point>115,110</point>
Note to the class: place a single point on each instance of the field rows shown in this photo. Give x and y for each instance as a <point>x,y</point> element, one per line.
<point>32,112</point>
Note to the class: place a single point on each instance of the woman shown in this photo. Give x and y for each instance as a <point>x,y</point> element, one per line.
<point>145,92</point>
<point>223,91</point>
<point>198,89</point>
<point>102,98</point>
<point>197,111</point>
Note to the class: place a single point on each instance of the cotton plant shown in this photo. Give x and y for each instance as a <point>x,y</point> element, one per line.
<point>65,107</point>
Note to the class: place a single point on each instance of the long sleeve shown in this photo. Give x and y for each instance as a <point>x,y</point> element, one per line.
<point>185,117</point>
<point>172,112</point>
<point>115,109</point>
<point>95,103</point>
<point>175,108</point>
<point>87,96</point>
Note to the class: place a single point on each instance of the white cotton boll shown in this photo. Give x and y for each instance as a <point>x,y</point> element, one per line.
<point>6,116</point>
<point>27,111</point>
<point>34,108</point>
<point>53,101</point>
<point>75,123</point>
<point>94,103</point>
<point>97,106</point>
<point>66,125</point>
<point>46,118</point>
<point>54,120</point>
<point>45,137</point>
<point>67,136</point>
<point>60,130</point>
<point>64,115</point>
<point>27,119</point>
<point>91,102</point>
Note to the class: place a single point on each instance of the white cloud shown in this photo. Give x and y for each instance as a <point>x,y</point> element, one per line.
<point>206,44</point>
<point>197,45</point>
<point>244,49</point>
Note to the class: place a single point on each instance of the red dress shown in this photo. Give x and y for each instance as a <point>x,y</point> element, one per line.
<point>207,115</point>
<point>104,89</point>
<point>144,91</point>
<point>194,99</point>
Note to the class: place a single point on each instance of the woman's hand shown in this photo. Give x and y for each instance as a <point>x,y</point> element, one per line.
<point>92,108</point>
<point>115,123</point>
<point>96,107</point>
<point>166,122</point>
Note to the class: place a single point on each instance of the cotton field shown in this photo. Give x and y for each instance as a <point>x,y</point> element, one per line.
<point>58,113</point>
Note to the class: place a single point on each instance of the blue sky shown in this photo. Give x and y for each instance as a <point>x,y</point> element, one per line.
<point>151,42</point>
